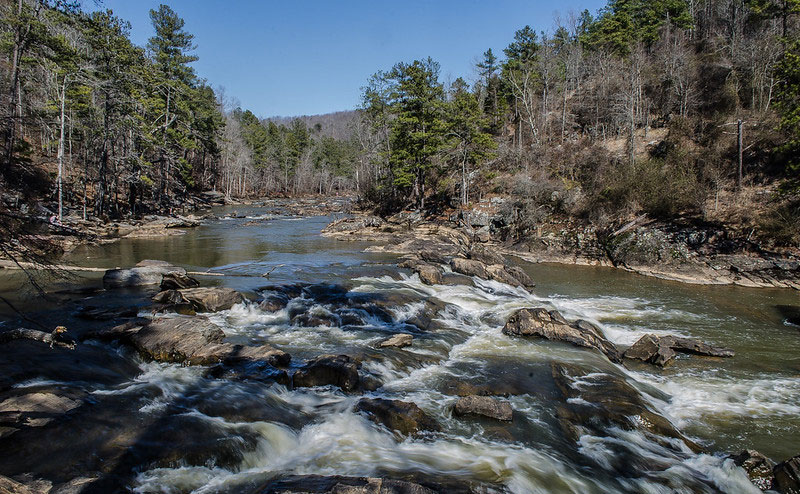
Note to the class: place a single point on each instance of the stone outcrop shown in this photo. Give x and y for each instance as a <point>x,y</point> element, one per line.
<point>397,341</point>
<point>145,273</point>
<point>335,370</point>
<point>661,350</point>
<point>552,326</point>
<point>758,467</point>
<point>205,299</point>
<point>496,272</point>
<point>401,416</point>
<point>484,406</point>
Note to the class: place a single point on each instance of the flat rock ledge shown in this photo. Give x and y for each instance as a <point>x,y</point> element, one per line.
<point>484,406</point>
<point>189,339</point>
<point>551,325</point>
<point>401,416</point>
<point>661,350</point>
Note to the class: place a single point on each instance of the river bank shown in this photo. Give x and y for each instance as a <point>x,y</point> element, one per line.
<point>684,253</point>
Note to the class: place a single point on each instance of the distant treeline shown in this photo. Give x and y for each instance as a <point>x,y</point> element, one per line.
<point>655,106</point>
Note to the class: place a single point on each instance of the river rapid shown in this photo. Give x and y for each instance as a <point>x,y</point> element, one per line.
<point>150,427</point>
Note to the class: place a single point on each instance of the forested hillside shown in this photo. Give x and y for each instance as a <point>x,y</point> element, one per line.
<point>671,108</point>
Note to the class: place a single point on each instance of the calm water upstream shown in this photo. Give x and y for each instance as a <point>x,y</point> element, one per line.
<point>197,432</point>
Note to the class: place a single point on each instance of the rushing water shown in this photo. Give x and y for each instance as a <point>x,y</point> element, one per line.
<point>184,430</point>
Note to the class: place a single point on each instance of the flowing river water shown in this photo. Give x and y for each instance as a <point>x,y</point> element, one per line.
<point>184,429</point>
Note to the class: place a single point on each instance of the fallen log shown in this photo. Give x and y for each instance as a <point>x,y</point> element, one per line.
<point>56,338</point>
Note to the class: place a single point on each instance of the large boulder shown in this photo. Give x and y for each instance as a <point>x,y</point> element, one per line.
<point>787,476</point>
<point>469,267</point>
<point>176,339</point>
<point>485,255</point>
<point>484,406</point>
<point>429,274</point>
<point>335,370</point>
<point>196,341</point>
<point>143,274</point>
<point>661,350</point>
<point>205,299</point>
<point>212,299</point>
<point>521,276</point>
<point>552,326</point>
<point>758,467</point>
<point>401,416</point>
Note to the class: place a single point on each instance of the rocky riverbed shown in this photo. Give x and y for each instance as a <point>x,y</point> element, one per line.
<point>311,366</point>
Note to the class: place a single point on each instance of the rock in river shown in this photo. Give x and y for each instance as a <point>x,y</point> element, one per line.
<point>552,326</point>
<point>661,350</point>
<point>402,416</point>
<point>190,339</point>
<point>336,370</point>
<point>758,467</point>
<point>596,403</point>
<point>484,406</point>
<point>398,341</point>
<point>145,273</point>
<point>206,299</point>
<point>787,476</point>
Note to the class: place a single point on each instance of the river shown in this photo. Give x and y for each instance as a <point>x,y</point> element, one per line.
<point>177,429</point>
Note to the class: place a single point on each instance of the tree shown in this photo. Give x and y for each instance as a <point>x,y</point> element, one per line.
<point>788,102</point>
<point>170,49</point>
<point>467,124</point>
<point>418,129</point>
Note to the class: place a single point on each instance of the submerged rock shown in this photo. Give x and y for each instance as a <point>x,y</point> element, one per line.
<point>145,273</point>
<point>402,416</point>
<point>758,467</point>
<point>397,341</point>
<point>596,403</point>
<point>336,370</point>
<point>484,406</point>
<point>787,476</point>
<point>552,326</point>
<point>661,350</point>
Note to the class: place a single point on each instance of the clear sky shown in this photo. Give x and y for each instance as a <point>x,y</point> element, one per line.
<point>287,58</point>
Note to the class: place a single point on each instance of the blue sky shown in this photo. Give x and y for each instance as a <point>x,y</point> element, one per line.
<point>308,57</point>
